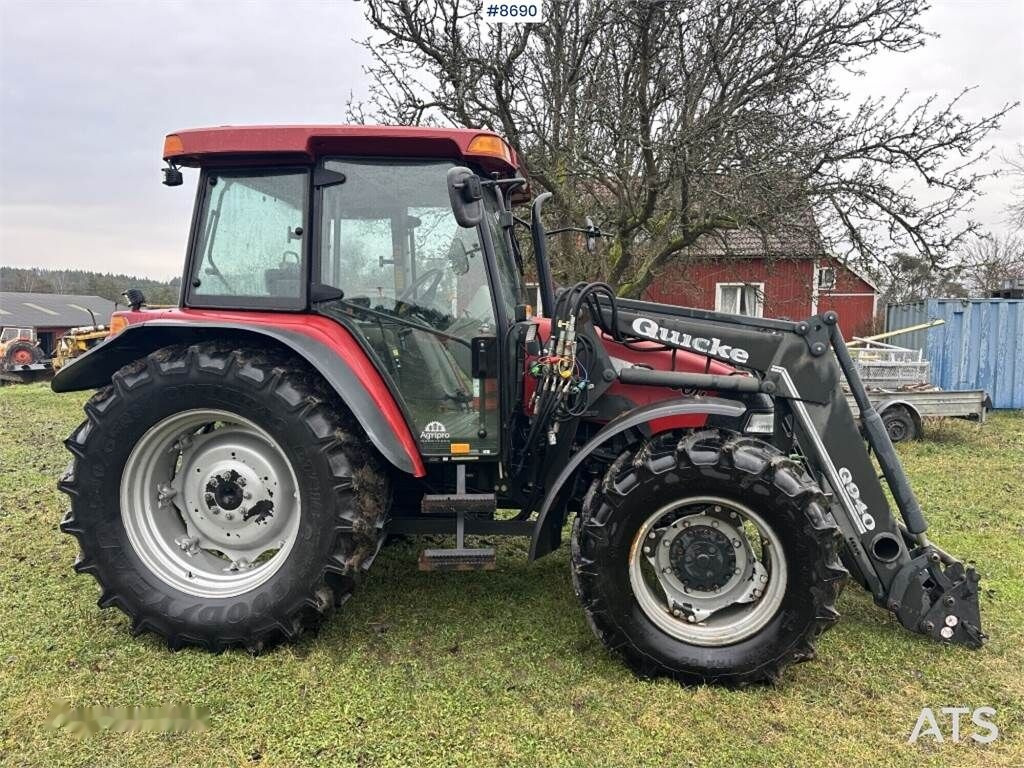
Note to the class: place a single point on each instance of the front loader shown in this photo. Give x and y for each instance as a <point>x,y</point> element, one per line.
<point>353,356</point>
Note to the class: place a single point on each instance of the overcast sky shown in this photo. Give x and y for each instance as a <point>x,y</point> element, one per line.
<point>89,89</point>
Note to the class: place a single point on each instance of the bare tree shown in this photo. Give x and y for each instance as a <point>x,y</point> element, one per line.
<point>989,262</point>
<point>904,276</point>
<point>1016,207</point>
<point>680,120</point>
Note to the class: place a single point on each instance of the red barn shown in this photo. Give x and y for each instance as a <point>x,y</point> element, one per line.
<point>746,273</point>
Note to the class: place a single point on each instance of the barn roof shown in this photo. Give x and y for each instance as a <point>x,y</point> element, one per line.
<point>795,236</point>
<point>51,310</point>
<point>748,242</point>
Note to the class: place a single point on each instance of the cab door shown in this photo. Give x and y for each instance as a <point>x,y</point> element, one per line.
<point>415,292</point>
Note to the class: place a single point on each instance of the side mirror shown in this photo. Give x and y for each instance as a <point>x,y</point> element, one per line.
<point>466,196</point>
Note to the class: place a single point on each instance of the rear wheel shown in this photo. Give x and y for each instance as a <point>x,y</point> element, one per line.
<point>222,497</point>
<point>23,353</point>
<point>710,558</point>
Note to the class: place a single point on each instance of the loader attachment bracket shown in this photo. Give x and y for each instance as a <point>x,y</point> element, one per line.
<point>938,596</point>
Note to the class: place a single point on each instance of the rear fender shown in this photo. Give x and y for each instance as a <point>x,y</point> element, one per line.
<point>358,385</point>
<point>548,528</point>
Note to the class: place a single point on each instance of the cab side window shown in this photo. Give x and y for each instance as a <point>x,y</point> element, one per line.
<point>249,252</point>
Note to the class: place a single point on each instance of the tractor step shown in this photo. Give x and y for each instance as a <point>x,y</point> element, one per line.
<point>476,504</point>
<point>458,559</point>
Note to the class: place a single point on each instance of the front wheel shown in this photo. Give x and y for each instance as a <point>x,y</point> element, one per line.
<point>710,558</point>
<point>222,497</point>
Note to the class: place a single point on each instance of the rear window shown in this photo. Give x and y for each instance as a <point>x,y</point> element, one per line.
<point>250,249</point>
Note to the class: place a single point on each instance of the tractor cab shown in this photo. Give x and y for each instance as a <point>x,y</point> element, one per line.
<point>372,242</point>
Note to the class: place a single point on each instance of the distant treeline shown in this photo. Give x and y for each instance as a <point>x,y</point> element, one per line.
<point>79,281</point>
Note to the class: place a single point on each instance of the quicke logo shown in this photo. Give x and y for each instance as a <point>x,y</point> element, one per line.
<point>649,329</point>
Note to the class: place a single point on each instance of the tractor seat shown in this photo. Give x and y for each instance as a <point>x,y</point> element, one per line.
<point>282,280</point>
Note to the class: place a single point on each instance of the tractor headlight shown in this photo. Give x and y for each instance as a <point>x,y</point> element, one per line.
<point>760,423</point>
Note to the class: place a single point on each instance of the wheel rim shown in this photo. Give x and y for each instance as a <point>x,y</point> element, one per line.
<point>22,357</point>
<point>897,429</point>
<point>210,503</point>
<point>697,574</point>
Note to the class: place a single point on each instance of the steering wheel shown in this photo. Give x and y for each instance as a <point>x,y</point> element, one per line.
<point>431,280</point>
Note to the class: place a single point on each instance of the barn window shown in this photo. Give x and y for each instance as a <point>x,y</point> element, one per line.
<point>740,298</point>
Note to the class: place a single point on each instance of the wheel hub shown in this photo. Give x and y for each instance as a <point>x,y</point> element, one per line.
<point>230,494</point>
<point>704,583</point>
<point>210,503</point>
<point>703,558</point>
<point>226,490</point>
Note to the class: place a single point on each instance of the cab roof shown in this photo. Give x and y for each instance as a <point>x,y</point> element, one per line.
<point>303,143</point>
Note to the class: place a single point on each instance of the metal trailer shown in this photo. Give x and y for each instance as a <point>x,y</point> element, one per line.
<point>904,412</point>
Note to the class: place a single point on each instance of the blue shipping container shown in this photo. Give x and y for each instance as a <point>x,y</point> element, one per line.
<point>980,346</point>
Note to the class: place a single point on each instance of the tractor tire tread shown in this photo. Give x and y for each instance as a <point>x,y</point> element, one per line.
<point>359,485</point>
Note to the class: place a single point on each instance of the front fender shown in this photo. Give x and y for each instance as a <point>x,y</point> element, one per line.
<point>337,358</point>
<point>548,528</point>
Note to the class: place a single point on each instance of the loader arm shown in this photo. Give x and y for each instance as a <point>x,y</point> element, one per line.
<point>803,366</point>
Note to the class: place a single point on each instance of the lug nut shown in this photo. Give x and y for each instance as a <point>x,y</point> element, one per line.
<point>651,535</point>
<point>736,543</point>
<point>952,621</point>
<point>946,632</point>
<point>647,550</point>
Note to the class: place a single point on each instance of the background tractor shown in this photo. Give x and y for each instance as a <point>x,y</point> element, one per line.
<point>19,347</point>
<point>77,342</point>
<point>354,356</point>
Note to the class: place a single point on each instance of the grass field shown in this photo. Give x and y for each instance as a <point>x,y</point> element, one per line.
<point>498,668</point>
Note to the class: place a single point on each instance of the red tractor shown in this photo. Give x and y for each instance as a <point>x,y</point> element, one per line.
<point>354,356</point>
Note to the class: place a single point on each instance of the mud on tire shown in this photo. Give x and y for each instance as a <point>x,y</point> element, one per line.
<point>707,463</point>
<point>343,492</point>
